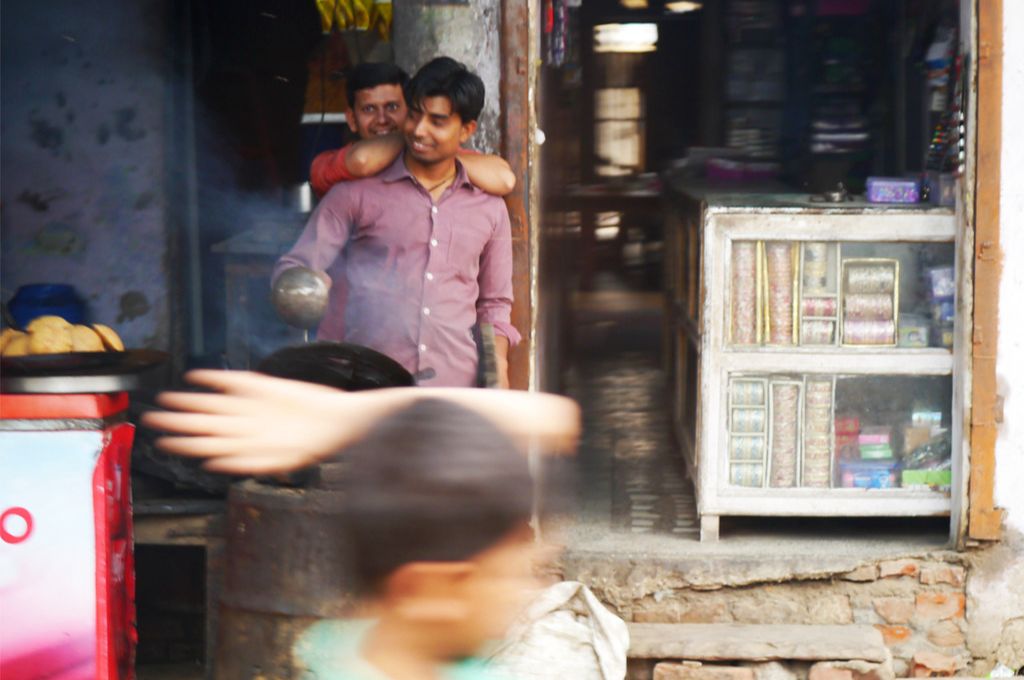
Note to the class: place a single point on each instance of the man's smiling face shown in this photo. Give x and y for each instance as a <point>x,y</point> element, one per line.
<point>378,111</point>
<point>433,132</point>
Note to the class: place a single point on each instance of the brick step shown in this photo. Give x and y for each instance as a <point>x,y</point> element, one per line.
<point>755,642</point>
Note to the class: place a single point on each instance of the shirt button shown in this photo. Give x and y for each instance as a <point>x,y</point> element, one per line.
<point>430,277</point>
<point>433,243</point>
<point>426,311</point>
<point>433,209</point>
<point>423,348</point>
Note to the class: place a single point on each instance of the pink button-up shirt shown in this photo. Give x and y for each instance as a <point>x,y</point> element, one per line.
<point>419,274</point>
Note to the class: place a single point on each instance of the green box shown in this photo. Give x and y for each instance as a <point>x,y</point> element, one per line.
<point>927,478</point>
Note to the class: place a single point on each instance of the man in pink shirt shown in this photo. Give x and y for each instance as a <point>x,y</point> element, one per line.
<point>376,113</point>
<point>425,253</point>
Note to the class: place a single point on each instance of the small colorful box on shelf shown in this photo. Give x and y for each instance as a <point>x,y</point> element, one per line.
<point>913,331</point>
<point>929,478</point>
<point>868,474</point>
<point>893,190</point>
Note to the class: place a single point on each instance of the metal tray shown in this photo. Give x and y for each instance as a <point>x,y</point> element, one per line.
<point>77,372</point>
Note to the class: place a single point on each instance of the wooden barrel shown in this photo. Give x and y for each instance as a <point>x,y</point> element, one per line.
<point>284,570</point>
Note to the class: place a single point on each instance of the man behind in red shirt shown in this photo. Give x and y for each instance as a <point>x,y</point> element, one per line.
<point>376,113</point>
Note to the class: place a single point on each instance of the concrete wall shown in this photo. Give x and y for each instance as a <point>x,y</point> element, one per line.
<point>469,33</point>
<point>83,158</point>
<point>996,585</point>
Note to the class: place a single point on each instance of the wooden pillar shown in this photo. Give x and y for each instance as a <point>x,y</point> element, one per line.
<point>985,520</point>
<point>515,148</point>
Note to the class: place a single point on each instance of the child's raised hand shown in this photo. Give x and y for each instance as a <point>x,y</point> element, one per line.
<point>257,424</point>
<point>253,423</point>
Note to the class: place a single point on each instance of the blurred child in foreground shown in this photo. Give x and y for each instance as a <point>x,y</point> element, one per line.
<point>437,497</point>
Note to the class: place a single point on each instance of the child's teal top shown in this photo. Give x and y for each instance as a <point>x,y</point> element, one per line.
<point>330,651</point>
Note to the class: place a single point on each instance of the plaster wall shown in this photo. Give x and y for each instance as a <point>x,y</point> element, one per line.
<point>1010,365</point>
<point>469,33</point>
<point>996,583</point>
<point>83,141</point>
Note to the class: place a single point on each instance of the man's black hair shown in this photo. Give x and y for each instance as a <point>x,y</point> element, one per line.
<point>371,74</point>
<point>433,482</point>
<point>445,77</point>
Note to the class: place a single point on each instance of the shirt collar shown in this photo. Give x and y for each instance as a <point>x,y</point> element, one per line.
<point>397,171</point>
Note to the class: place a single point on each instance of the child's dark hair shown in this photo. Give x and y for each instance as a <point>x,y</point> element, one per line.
<point>445,77</point>
<point>371,74</point>
<point>433,482</point>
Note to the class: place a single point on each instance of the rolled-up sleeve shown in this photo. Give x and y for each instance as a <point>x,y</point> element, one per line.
<point>324,236</point>
<point>329,168</point>
<point>494,303</point>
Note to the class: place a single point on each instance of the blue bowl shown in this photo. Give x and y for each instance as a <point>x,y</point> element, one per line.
<point>42,299</point>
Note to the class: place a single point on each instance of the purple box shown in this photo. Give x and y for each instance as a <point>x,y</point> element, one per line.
<point>893,190</point>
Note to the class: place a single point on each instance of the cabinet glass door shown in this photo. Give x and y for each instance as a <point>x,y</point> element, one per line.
<point>839,431</point>
<point>819,294</point>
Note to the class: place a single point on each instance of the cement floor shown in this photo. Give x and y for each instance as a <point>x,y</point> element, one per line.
<point>635,501</point>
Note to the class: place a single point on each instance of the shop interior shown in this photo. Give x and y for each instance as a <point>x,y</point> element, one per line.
<point>656,115</point>
<point>646,108</point>
<point>801,100</point>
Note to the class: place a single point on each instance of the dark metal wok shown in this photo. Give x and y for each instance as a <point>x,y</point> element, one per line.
<point>337,364</point>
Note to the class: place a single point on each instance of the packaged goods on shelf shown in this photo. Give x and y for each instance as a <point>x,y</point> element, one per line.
<point>817,332</point>
<point>943,310</point>
<point>818,306</point>
<point>942,283</point>
<point>780,274</point>
<point>923,416</point>
<point>875,435</point>
<point>817,451</point>
<point>870,301</point>
<point>868,474</point>
<point>744,293</point>
<point>748,399</point>
<point>913,331</point>
<point>915,436</point>
<point>893,190</point>
<point>746,474</point>
<point>869,332</point>
<point>784,407</point>
<point>943,335</point>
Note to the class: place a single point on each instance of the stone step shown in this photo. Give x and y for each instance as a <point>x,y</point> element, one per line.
<point>755,642</point>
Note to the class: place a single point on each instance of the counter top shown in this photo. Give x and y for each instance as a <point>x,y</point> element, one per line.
<point>776,198</point>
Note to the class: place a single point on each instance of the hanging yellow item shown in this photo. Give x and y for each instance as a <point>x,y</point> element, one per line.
<point>344,14</point>
<point>361,15</point>
<point>335,14</point>
<point>361,10</point>
<point>382,16</point>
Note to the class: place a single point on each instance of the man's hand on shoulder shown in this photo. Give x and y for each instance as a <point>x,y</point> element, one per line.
<point>489,172</point>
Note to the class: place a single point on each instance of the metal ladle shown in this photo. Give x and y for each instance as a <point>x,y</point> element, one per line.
<point>299,296</point>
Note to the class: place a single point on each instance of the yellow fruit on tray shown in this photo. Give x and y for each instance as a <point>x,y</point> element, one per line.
<point>85,339</point>
<point>49,340</point>
<point>17,347</point>
<point>6,336</point>
<point>110,339</point>
<point>54,335</point>
<point>41,322</point>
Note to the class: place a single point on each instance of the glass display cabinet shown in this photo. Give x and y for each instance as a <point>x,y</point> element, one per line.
<point>812,350</point>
